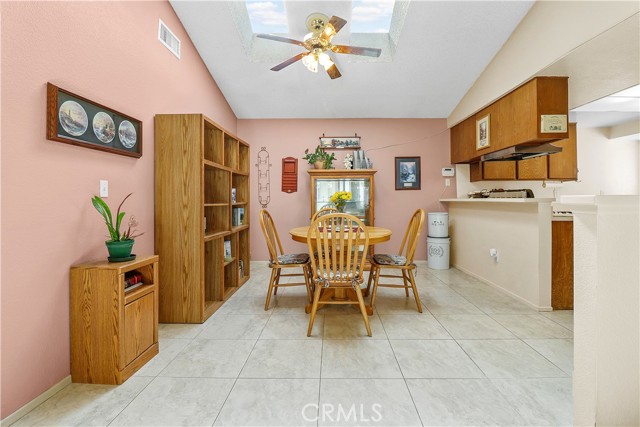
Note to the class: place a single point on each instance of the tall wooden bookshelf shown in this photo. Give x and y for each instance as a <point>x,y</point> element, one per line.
<point>197,165</point>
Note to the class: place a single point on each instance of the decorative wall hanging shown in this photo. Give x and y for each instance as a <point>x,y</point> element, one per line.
<point>264,178</point>
<point>289,175</point>
<point>552,123</point>
<point>482,132</point>
<point>340,142</point>
<point>407,173</point>
<point>75,120</point>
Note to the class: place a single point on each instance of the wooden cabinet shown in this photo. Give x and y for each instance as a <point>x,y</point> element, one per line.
<point>564,165</point>
<point>114,331</point>
<point>198,166</point>
<point>562,265</point>
<point>514,119</point>
<point>325,182</point>
<point>561,166</point>
<point>493,171</point>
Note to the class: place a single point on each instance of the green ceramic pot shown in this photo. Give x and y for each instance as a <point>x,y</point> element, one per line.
<point>120,249</point>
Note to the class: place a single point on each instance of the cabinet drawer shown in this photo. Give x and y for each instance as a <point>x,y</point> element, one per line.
<point>138,327</point>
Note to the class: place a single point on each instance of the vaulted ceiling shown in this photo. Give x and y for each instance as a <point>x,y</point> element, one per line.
<point>433,53</point>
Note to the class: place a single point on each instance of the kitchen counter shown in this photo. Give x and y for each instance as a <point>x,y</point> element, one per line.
<point>566,218</point>
<point>499,200</point>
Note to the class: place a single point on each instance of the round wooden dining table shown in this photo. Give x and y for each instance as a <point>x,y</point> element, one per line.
<point>376,234</point>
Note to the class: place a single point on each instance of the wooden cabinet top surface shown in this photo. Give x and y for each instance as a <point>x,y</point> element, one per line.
<point>121,267</point>
<point>341,171</point>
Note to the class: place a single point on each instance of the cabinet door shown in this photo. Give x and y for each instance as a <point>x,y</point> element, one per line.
<point>138,327</point>
<point>562,265</point>
<point>499,170</point>
<point>565,165</point>
<point>535,168</point>
<point>360,188</point>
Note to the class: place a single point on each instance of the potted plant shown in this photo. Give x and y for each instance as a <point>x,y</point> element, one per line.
<point>120,244</point>
<point>319,158</point>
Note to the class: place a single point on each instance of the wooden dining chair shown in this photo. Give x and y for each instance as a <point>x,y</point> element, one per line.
<point>339,266</point>
<point>325,210</point>
<point>403,262</point>
<point>278,260</point>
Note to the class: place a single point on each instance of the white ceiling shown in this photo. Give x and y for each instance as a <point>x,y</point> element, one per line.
<point>429,63</point>
<point>612,110</point>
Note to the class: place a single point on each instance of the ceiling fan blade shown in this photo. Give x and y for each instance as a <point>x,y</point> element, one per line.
<point>290,61</point>
<point>337,23</point>
<point>334,25</point>
<point>333,72</point>
<point>355,50</point>
<point>280,39</point>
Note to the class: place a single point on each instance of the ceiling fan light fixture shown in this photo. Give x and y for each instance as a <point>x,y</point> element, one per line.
<point>311,63</point>
<point>325,60</point>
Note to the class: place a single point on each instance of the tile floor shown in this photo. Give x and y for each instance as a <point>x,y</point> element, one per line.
<point>473,357</point>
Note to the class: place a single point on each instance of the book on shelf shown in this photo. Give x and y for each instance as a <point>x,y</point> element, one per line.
<point>132,279</point>
<point>237,217</point>
<point>241,269</point>
<point>233,196</point>
<point>227,250</point>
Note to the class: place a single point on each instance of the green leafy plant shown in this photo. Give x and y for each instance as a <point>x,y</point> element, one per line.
<point>319,155</point>
<point>114,229</point>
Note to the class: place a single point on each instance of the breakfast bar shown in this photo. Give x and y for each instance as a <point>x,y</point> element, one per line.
<point>505,242</point>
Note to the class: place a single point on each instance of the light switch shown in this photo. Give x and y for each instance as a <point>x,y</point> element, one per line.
<point>104,188</point>
<point>447,182</point>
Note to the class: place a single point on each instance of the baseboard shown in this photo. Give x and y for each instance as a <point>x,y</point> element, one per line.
<point>503,290</point>
<point>35,402</point>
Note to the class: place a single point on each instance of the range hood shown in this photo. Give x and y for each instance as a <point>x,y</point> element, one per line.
<point>521,152</point>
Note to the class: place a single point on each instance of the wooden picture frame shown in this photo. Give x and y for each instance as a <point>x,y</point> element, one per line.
<point>340,142</point>
<point>76,120</point>
<point>483,132</point>
<point>407,173</point>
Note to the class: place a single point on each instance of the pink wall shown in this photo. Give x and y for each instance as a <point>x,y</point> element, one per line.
<point>107,52</point>
<point>427,138</point>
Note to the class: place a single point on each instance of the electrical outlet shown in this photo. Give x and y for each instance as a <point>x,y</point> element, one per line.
<point>447,182</point>
<point>104,188</point>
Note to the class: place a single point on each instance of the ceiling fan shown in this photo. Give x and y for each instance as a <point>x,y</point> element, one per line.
<point>318,42</point>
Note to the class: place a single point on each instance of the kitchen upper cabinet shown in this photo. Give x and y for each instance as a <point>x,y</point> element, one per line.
<point>492,171</point>
<point>564,165</point>
<point>514,119</point>
<point>533,169</point>
<point>561,166</point>
<point>461,134</point>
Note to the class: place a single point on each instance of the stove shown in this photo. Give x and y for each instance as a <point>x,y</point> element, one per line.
<point>511,194</point>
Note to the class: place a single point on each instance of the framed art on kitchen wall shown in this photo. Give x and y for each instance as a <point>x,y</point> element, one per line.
<point>76,120</point>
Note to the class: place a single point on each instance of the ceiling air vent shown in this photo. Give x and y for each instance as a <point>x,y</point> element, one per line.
<point>167,38</point>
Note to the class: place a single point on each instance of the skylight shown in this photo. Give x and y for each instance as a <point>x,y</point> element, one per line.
<point>371,16</point>
<point>267,16</point>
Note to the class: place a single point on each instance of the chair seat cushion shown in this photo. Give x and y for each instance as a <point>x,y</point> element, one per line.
<point>293,259</point>
<point>340,276</point>
<point>385,259</point>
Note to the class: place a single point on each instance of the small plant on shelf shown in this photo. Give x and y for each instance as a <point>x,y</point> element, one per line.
<point>340,199</point>
<point>319,158</point>
<point>120,244</point>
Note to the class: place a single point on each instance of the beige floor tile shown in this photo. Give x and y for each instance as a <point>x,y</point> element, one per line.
<point>351,326</point>
<point>284,359</point>
<point>413,327</point>
<point>359,359</point>
<point>269,402</point>
<point>473,327</point>
<point>434,359</point>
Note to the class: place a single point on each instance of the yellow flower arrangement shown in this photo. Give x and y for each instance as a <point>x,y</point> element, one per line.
<point>340,198</point>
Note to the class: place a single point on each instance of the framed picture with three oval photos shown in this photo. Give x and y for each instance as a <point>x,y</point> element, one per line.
<point>76,120</point>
